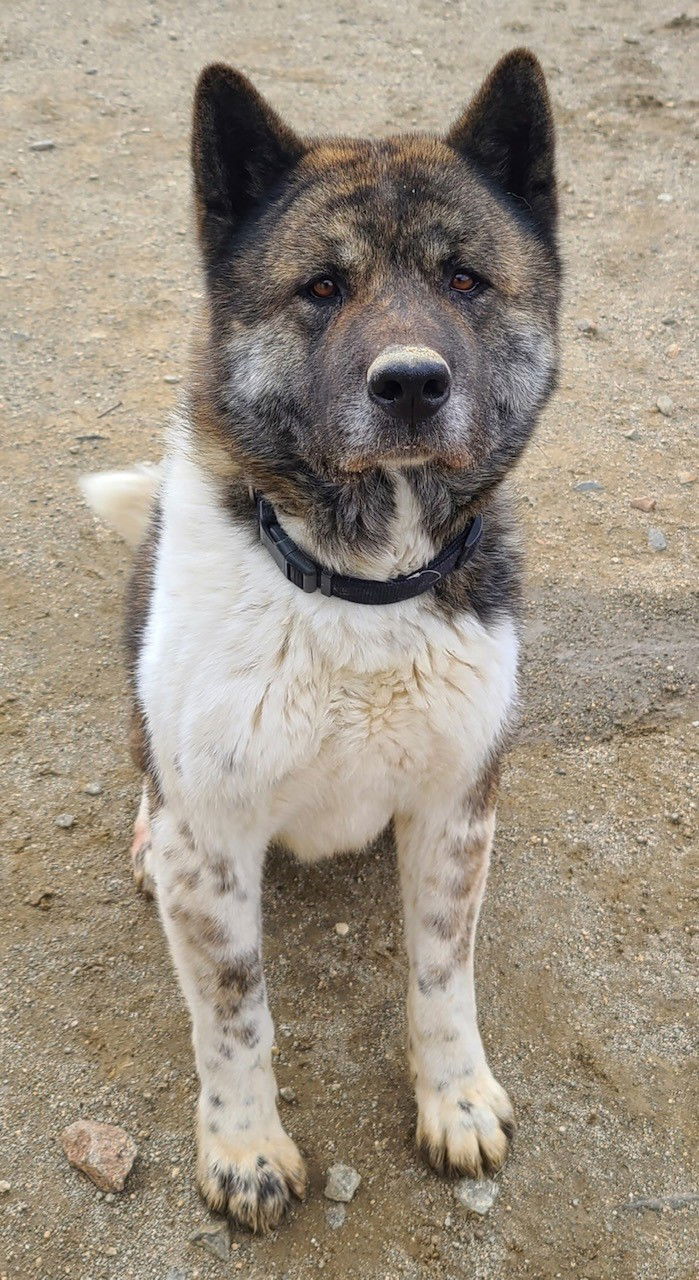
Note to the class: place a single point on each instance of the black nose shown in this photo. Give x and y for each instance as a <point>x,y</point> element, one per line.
<point>410,383</point>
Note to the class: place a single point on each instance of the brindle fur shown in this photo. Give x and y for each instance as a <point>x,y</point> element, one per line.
<point>278,389</point>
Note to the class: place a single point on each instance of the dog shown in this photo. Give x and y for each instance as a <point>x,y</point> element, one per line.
<point>323,615</point>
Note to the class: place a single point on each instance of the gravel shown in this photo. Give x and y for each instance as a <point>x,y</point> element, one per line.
<point>214,1239</point>
<point>342,1183</point>
<point>105,1152</point>
<point>657,540</point>
<point>335,1215</point>
<point>477,1197</point>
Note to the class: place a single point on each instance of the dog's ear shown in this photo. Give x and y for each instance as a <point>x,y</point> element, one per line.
<point>241,150</point>
<point>507,132</point>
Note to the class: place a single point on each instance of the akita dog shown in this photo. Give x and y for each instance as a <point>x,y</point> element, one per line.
<point>322,622</point>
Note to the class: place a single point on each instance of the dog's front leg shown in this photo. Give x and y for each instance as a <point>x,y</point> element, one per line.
<point>209,898</point>
<point>464,1115</point>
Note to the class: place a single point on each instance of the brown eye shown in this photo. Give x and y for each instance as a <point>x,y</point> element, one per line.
<point>463,281</point>
<point>324,289</point>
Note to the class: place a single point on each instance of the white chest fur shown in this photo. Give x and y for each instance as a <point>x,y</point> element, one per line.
<point>328,716</point>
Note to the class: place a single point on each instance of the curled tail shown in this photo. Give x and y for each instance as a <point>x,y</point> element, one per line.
<point>124,499</point>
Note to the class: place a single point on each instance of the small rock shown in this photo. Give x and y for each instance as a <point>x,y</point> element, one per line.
<point>643,504</point>
<point>342,1182</point>
<point>103,1151</point>
<point>632,434</point>
<point>44,144</point>
<point>215,1239</point>
<point>657,540</point>
<point>589,328</point>
<point>65,820</point>
<point>5,1187</point>
<point>335,1215</point>
<point>93,789</point>
<point>479,1197</point>
<point>686,477</point>
<point>589,486</point>
<point>665,406</point>
<point>669,320</point>
<point>682,22</point>
<point>660,1203</point>
<point>41,898</point>
<point>342,929</point>
<point>288,1094</point>
<point>665,197</point>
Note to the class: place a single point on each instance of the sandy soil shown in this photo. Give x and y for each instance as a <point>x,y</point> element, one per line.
<point>585,971</point>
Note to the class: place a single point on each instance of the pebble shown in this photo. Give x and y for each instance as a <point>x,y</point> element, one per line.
<point>643,504</point>
<point>686,477</point>
<point>479,1197</point>
<point>287,1094</point>
<point>659,1203</point>
<point>633,434</point>
<point>93,789</point>
<point>65,820</point>
<point>215,1239</point>
<point>335,1215</point>
<point>589,328</point>
<point>41,898</point>
<point>342,1183</point>
<point>5,1187</point>
<point>342,929</point>
<point>103,1151</point>
<point>665,406</point>
<point>657,540</point>
<point>589,486</point>
<point>44,144</point>
<point>171,378</point>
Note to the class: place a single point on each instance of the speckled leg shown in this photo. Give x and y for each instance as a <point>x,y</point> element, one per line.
<point>464,1116</point>
<point>209,899</point>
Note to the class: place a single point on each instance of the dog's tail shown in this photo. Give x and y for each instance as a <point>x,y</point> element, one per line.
<point>124,500</point>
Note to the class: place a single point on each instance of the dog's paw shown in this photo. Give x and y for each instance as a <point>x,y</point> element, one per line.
<point>252,1179</point>
<point>466,1126</point>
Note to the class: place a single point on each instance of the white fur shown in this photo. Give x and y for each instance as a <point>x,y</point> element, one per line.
<point>277,714</point>
<point>385,699</point>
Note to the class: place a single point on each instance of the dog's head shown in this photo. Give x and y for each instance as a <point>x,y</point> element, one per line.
<point>380,303</point>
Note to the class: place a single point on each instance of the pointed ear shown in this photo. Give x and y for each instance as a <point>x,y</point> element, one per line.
<point>241,150</point>
<point>507,131</point>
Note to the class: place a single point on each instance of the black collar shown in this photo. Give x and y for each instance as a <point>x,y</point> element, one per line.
<point>309,576</point>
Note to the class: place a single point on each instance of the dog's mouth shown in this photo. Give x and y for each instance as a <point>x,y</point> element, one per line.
<point>409,455</point>
<point>398,456</point>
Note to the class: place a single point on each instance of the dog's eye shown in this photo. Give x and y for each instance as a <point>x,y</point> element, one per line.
<point>324,289</point>
<point>464,282</point>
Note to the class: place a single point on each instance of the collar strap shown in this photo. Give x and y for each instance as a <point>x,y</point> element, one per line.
<point>298,568</point>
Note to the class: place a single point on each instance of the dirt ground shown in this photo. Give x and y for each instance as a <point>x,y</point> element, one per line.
<point>584,960</point>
